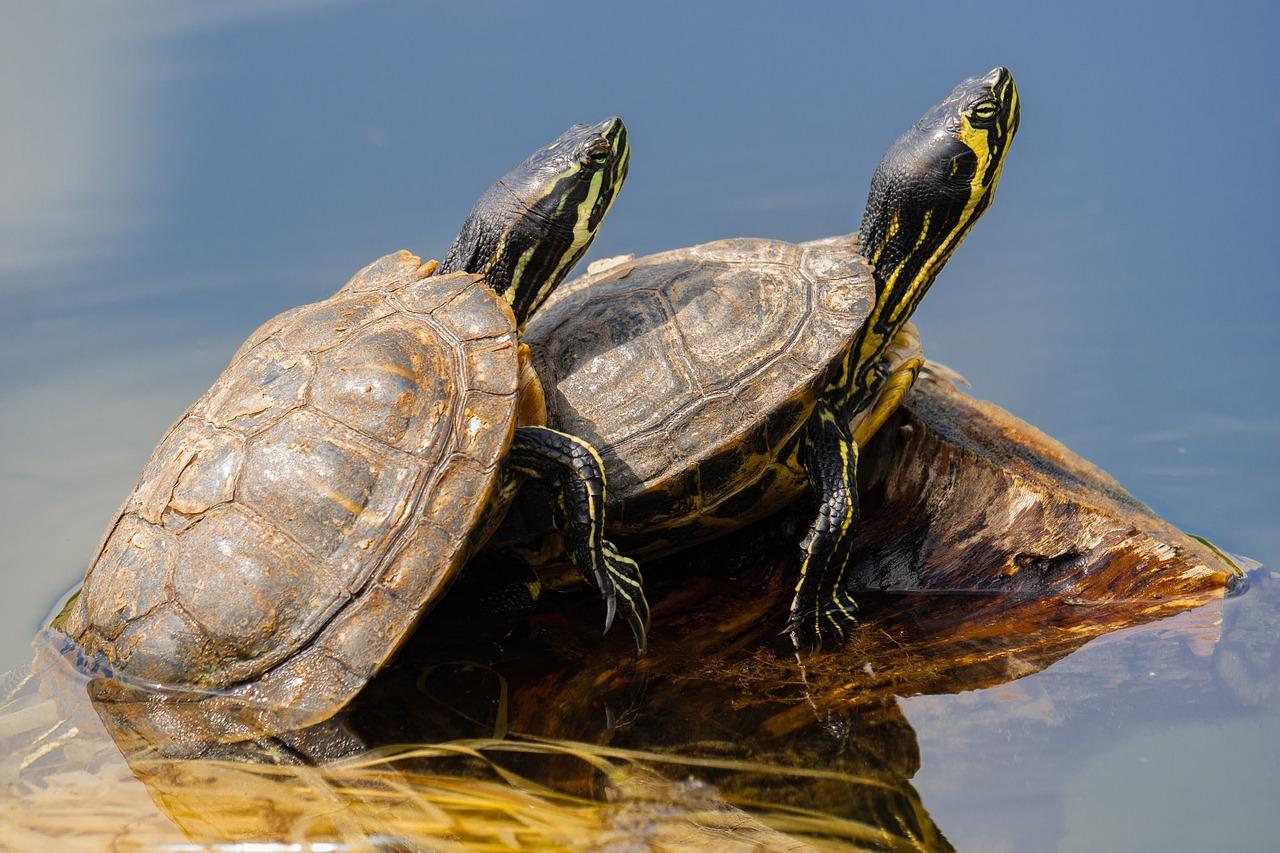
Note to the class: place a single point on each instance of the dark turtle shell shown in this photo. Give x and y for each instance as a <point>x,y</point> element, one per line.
<point>290,528</point>
<point>691,370</point>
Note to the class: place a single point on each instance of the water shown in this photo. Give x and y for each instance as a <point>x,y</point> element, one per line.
<point>173,176</point>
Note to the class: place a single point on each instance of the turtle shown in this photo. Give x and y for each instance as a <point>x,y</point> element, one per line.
<point>721,382</point>
<point>296,521</point>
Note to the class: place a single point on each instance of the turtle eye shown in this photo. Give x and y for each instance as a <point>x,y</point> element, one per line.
<point>984,110</point>
<point>597,154</point>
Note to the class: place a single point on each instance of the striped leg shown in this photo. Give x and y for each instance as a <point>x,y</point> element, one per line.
<point>889,395</point>
<point>895,373</point>
<point>822,612</point>
<point>573,468</point>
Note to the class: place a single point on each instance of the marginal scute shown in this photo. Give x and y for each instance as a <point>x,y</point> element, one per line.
<point>842,278</point>
<point>266,330</point>
<point>811,347</point>
<point>308,686</point>
<point>259,388</point>
<point>162,647</point>
<point>486,427</point>
<point>386,273</point>
<point>454,500</point>
<point>368,633</point>
<point>705,427</point>
<point>847,302</point>
<point>747,250</point>
<point>432,292</point>
<point>131,578</point>
<point>253,591</point>
<point>603,265</point>
<point>760,395</point>
<point>210,478</point>
<point>492,365</point>
<point>637,461</point>
<point>425,296</point>
<point>419,567</point>
<point>834,258</point>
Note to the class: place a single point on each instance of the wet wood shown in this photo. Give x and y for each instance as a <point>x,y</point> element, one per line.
<point>962,495</point>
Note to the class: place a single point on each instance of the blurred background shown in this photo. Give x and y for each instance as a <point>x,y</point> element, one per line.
<point>173,174</point>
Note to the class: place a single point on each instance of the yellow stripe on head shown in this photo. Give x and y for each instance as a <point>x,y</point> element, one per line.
<point>932,185</point>
<point>532,225</point>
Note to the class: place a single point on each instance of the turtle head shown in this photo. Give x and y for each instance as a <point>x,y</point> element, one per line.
<point>934,182</point>
<point>533,224</point>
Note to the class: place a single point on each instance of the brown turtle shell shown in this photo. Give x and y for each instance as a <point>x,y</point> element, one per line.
<point>691,370</point>
<point>290,528</point>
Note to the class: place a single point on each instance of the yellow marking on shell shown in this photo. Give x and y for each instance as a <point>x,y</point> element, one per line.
<point>386,367</point>
<point>345,502</point>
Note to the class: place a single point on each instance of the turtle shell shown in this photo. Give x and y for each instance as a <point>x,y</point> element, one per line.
<point>691,370</point>
<point>291,527</point>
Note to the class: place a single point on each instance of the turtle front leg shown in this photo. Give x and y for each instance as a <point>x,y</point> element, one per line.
<point>822,612</point>
<point>896,373</point>
<point>573,469</point>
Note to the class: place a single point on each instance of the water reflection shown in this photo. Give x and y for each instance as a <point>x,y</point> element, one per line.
<point>531,730</point>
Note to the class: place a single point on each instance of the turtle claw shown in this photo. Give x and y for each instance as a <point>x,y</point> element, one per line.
<point>610,608</point>
<point>624,583</point>
<point>824,628</point>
